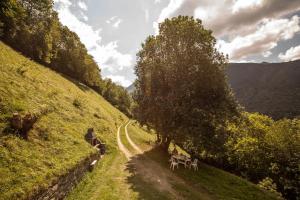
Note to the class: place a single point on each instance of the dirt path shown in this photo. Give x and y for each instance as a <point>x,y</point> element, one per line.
<point>130,141</point>
<point>122,147</point>
<point>152,172</point>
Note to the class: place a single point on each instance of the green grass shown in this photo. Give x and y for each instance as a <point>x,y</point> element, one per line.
<point>141,136</point>
<point>56,142</point>
<point>107,181</point>
<point>114,178</point>
<point>125,141</point>
<point>221,184</point>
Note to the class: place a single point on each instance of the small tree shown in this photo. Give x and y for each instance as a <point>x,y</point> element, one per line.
<point>181,88</point>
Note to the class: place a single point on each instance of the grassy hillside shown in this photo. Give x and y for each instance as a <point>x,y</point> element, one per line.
<point>269,88</point>
<point>56,141</point>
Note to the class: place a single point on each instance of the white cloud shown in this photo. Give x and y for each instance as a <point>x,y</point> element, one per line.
<point>110,20</point>
<point>167,12</point>
<point>266,54</point>
<point>121,80</point>
<point>107,56</point>
<point>117,23</point>
<point>157,1</point>
<point>146,15</point>
<point>82,5</point>
<point>268,34</point>
<point>291,54</point>
<point>63,2</point>
<point>110,58</point>
<point>230,17</point>
<point>85,18</point>
<point>242,4</point>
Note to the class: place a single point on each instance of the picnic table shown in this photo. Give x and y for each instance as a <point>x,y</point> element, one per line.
<point>182,159</point>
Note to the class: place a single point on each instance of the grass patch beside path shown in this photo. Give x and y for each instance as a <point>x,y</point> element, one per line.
<point>222,184</point>
<point>141,137</point>
<point>106,182</point>
<point>125,141</point>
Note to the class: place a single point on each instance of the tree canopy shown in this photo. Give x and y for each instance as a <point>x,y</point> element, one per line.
<point>181,87</point>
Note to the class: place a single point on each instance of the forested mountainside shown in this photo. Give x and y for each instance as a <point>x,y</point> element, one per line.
<point>269,88</point>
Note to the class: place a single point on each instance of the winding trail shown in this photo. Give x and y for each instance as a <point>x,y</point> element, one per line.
<point>128,155</point>
<point>130,141</point>
<point>152,172</point>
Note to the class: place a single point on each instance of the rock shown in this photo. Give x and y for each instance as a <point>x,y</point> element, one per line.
<point>16,121</point>
<point>28,121</point>
<point>55,187</point>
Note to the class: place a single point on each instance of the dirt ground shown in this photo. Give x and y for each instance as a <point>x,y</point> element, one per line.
<point>151,171</point>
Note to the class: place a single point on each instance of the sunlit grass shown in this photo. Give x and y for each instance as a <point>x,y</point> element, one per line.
<point>56,143</point>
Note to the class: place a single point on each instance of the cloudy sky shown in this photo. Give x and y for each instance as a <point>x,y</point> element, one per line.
<point>246,30</point>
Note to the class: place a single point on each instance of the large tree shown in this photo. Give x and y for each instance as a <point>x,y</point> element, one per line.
<point>181,87</point>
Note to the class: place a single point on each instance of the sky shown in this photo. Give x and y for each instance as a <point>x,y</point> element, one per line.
<point>246,30</point>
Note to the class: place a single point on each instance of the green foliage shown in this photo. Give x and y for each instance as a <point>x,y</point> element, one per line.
<point>258,147</point>
<point>117,96</point>
<point>181,88</point>
<point>268,184</point>
<point>33,28</point>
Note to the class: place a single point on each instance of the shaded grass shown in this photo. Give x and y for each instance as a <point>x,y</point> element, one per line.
<point>218,182</point>
<point>56,142</point>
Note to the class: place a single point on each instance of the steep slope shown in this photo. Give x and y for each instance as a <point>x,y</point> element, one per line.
<point>269,88</point>
<point>56,142</point>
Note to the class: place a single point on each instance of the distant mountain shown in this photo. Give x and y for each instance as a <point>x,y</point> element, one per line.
<point>130,88</point>
<point>269,88</point>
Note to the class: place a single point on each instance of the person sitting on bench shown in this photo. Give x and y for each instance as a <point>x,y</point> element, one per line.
<point>91,137</point>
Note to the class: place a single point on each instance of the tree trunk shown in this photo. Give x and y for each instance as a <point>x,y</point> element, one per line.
<point>158,139</point>
<point>165,143</point>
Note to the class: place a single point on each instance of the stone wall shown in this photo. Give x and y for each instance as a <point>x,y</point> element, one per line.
<point>60,188</point>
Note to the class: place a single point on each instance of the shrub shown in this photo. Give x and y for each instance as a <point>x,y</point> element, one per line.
<point>77,103</point>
